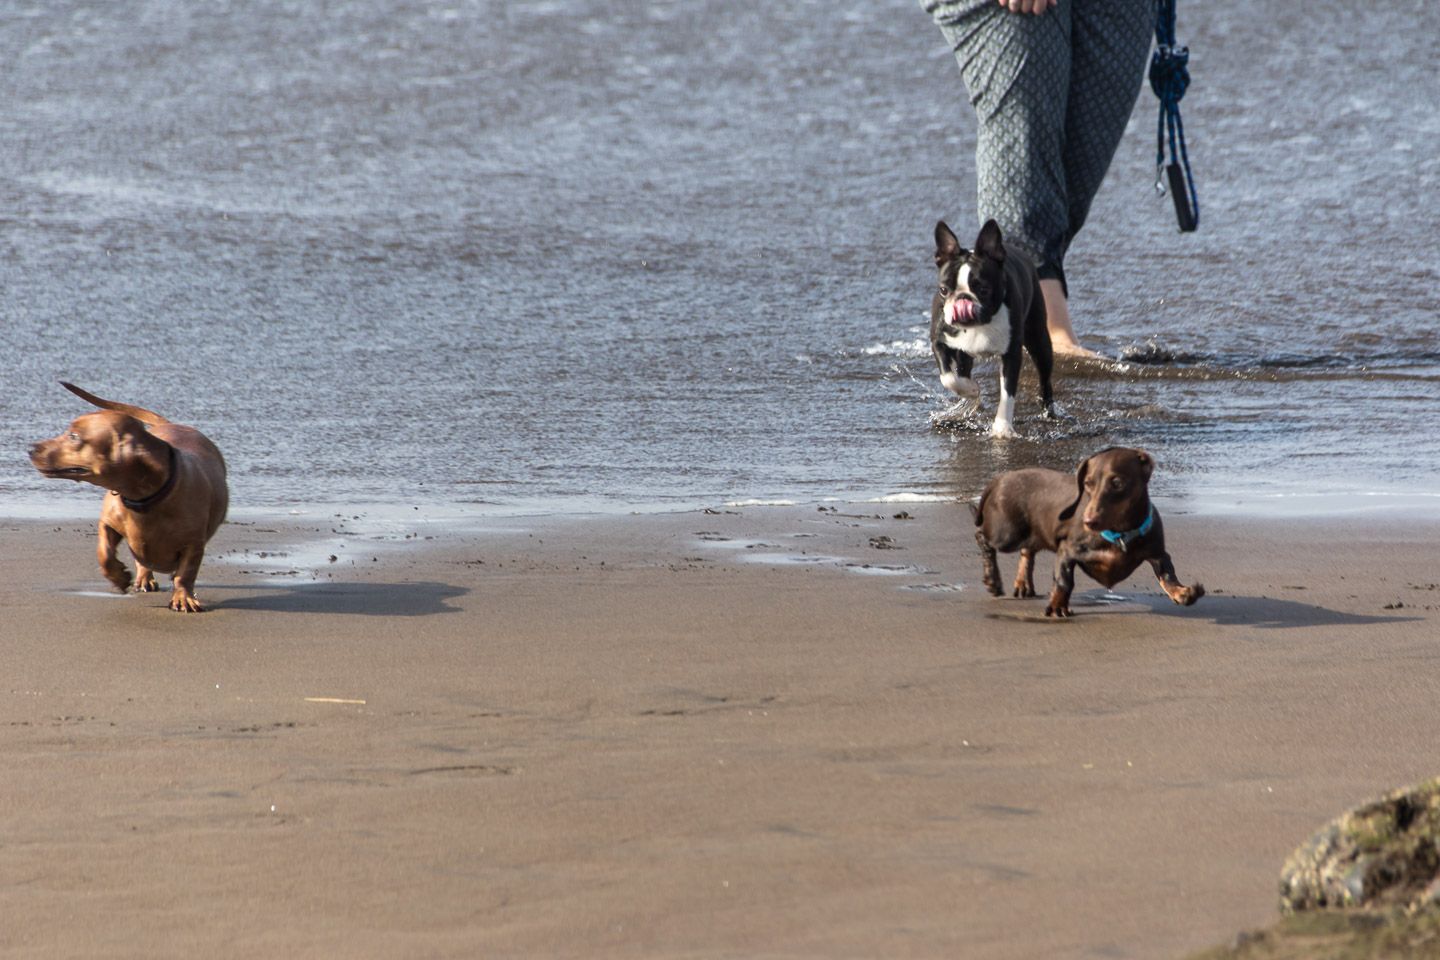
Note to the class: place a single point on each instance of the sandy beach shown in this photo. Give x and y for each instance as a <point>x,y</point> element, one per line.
<point>760,732</point>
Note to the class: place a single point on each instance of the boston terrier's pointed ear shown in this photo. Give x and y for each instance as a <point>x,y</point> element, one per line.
<point>947,245</point>
<point>990,244</point>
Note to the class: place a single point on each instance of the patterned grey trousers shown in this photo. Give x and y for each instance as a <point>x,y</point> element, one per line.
<point>1052,94</point>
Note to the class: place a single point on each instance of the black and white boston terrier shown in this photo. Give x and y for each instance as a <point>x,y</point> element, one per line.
<point>988,305</point>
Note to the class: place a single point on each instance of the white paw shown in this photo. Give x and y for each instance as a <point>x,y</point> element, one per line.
<point>1003,430</point>
<point>962,387</point>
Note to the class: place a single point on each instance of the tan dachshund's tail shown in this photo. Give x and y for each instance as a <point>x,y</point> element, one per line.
<point>139,413</point>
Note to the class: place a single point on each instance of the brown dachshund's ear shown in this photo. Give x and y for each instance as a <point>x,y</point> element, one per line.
<point>1147,463</point>
<point>1069,511</point>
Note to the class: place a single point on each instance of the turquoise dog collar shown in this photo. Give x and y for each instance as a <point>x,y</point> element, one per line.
<point>1125,538</point>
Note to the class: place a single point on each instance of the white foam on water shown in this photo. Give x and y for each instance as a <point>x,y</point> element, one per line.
<point>794,559</point>
<point>911,498</point>
<point>889,570</point>
<point>1290,504</point>
<point>898,348</point>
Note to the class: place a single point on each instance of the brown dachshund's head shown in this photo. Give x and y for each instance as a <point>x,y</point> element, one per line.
<point>95,448</point>
<point>1114,487</point>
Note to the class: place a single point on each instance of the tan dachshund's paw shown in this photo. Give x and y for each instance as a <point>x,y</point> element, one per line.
<point>183,602</point>
<point>1023,590</point>
<point>1190,594</point>
<point>1058,608</point>
<point>146,584</point>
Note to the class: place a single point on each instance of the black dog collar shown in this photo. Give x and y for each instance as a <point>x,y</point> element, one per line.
<point>140,506</point>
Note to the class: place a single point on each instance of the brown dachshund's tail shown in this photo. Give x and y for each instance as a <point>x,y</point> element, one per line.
<point>139,413</point>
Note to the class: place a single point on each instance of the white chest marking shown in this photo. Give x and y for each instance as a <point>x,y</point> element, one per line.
<point>987,340</point>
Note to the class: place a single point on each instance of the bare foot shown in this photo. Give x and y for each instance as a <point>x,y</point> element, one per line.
<point>1057,317</point>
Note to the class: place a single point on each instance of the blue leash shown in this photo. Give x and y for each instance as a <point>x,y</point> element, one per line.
<point>1169,76</point>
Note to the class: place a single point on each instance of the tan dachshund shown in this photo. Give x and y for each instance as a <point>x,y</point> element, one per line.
<point>167,491</point>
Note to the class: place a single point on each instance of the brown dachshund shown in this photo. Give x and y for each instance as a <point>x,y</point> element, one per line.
<point>167,491</point>
<point>1100,520</point>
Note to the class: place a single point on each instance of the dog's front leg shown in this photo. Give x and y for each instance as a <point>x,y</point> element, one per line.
<point>1174,589</point>
<point>182,596</point>
<point>105,551</point>
<point>955,367</point>
<point>1004,425</point>
<point>1064,584</point>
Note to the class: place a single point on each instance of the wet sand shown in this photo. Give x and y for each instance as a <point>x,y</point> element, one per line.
<point>693,735</point>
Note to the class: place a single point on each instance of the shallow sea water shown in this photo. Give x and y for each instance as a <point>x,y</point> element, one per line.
<point>602,255</point>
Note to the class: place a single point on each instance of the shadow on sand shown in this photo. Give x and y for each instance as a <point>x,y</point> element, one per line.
<point>1227,610</point>
<point>419,599</point>
<point>1265,613</point>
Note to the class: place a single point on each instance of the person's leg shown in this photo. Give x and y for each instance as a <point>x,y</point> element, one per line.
<point>1110,43</point>
<point>1063,341</point>
<point>1017,70</point>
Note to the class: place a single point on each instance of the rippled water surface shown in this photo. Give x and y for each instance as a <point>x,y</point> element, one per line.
<point>599,253</point>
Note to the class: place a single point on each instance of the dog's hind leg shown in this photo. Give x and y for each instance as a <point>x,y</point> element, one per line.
<point>1042,353</point>
<point>991,567</point>
<point>1025,574</point>
<point>144,579</point>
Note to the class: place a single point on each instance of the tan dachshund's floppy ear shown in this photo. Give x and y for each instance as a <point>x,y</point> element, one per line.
<point>1147,463</point>
<point>1084,468</point>
<point>121,446</point>
<point>947,245</point>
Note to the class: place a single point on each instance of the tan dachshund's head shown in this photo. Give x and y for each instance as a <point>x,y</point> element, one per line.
<point>1114,487</point>
<point>96,448</point>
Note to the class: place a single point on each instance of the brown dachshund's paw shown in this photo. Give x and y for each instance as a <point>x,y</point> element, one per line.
<point>146,584</point>
<point>120,581</point>
<point>1023,590</point>
<point>185,602</point>
<point>994,588</point>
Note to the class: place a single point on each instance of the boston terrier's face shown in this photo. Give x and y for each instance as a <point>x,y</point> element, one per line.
<point>972,282</point>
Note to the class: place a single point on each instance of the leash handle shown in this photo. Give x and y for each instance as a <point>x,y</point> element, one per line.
<point>1185,214</point>
<point>1169,77</point>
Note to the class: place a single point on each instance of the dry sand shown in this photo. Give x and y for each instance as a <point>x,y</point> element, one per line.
<point>693,735</point>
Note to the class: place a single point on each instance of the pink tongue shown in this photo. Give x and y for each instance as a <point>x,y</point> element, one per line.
<point>964,311</point>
